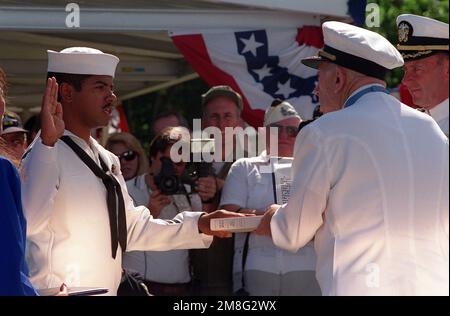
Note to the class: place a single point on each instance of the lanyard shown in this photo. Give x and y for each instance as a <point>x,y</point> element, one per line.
<point>358,95</point>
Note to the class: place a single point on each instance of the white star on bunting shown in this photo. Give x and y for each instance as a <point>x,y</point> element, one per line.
<point>285,89</point>
<point>263,72</point>
<point>251,45</point>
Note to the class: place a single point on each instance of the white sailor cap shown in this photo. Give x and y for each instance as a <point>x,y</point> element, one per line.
<point>357,49</point>
<point>278,111</point>
<point>420,37</point>
<point>82,61</point>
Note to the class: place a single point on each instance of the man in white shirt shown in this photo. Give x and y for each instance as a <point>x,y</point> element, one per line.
<point>423,43</point>
<point>80,222</point>
<point>370,181</point>
<point>261,268</point>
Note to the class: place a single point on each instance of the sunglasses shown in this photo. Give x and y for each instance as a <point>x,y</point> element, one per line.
<point>128,155</point>
<point>291,131</point>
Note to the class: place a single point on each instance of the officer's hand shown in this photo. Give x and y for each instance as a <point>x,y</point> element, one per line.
<point>206,187</point>
<point>157,202</point>
<point>264,225</point>
<point>52,124</point>
<point>204,222</point>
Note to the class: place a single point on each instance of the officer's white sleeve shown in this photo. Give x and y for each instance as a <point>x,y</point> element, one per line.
<point>443,213</point>
<point>146,233</point>
<point>294,224</point>
<point>40,180</point>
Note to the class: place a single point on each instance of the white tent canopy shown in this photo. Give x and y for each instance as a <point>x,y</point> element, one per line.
<point>135,31</point>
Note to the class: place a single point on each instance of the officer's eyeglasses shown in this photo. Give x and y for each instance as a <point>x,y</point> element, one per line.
<point>128,155</point>
<point>290,131</point>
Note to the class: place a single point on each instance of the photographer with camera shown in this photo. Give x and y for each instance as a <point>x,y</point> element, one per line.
<point>166,191</point>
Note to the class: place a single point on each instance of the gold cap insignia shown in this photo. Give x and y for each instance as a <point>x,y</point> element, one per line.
<point>404,31</point>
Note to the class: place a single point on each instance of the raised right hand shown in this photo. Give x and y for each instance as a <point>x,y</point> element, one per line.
<point>52,124</point>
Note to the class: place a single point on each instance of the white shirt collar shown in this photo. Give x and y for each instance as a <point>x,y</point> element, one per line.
<point>440,111</point>
<point>80,141</point>
<point>91,147</point>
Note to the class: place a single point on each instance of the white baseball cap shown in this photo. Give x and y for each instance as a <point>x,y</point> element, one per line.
<point>278,111</point>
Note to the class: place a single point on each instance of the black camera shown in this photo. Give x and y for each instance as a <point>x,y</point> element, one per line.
<point>167,180</point>
<point>199,168</point>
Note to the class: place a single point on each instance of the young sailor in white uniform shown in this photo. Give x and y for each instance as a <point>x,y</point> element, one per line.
<point>80,216</point>
<point>423,43</point>
<point>370,181</point>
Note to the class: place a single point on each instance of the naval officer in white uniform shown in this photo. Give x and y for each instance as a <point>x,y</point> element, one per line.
<point>370,181</point>
<point>423,43</point>
<point>79,222</point>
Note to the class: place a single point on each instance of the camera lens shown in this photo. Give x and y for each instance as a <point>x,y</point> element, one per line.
<point>168,183</point>
<point>167,180</point>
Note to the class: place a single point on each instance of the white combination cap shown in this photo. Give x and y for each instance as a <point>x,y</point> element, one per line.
<point>357,49</point>
<point>420,37</point>
<point>82,61</point>
<point>278,111</point>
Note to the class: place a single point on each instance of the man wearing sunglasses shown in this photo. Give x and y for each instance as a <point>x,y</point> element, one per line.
<point>284,120</point>
<point>267,270</point>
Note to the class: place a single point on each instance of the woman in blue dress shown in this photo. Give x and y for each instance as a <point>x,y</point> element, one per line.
<point>13,268</point>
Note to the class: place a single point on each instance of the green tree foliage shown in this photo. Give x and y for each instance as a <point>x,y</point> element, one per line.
<point>390,9</point>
